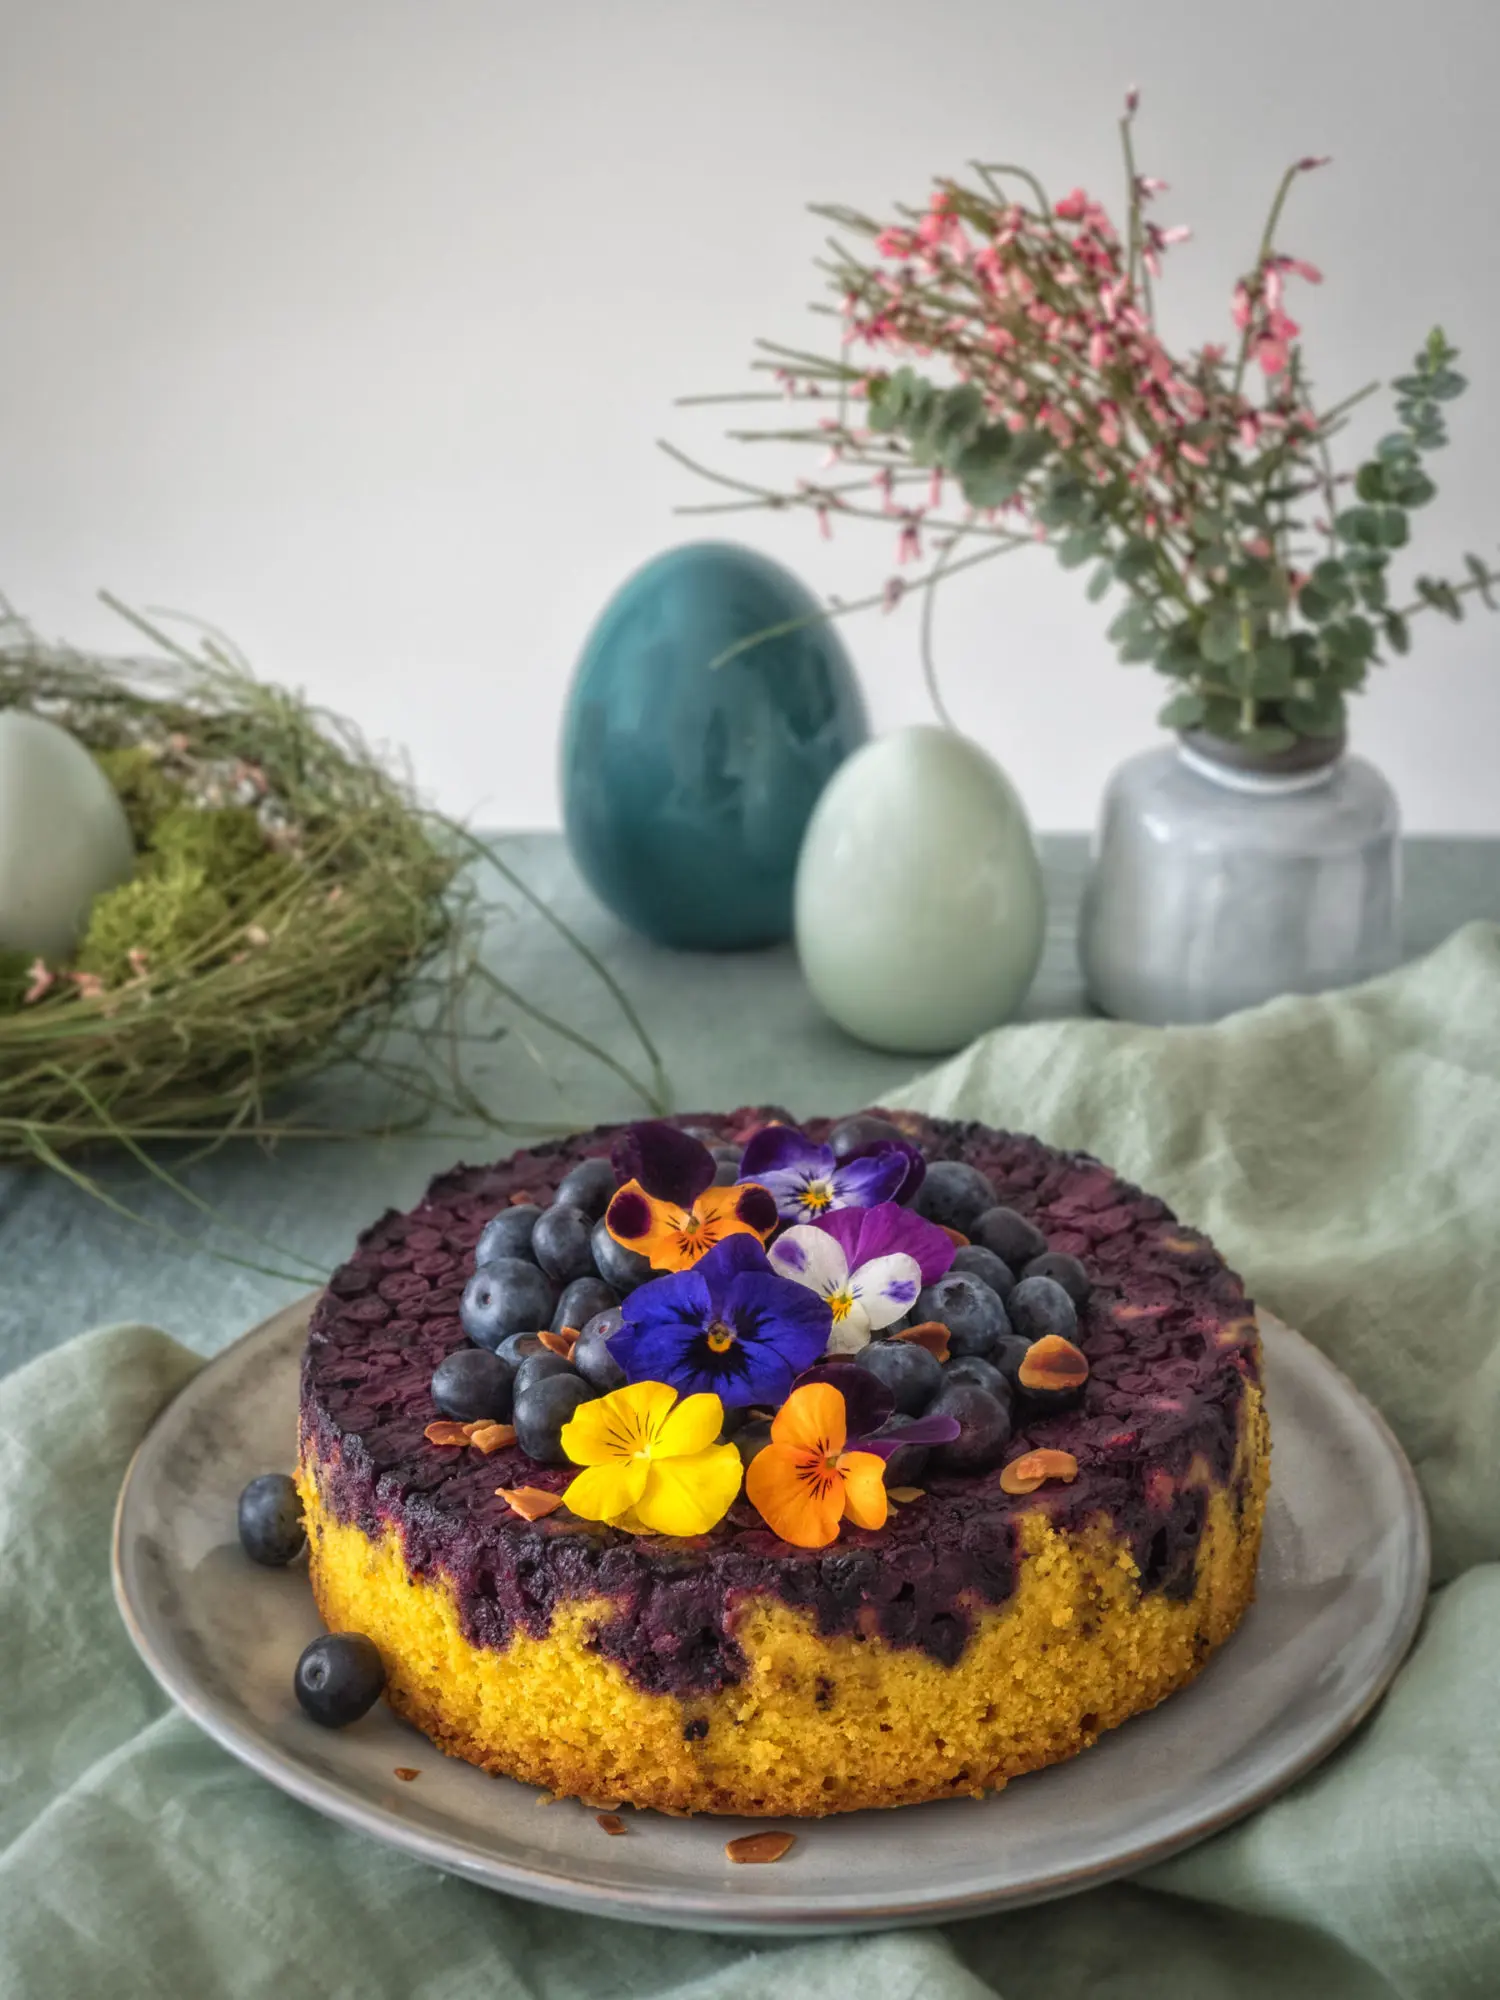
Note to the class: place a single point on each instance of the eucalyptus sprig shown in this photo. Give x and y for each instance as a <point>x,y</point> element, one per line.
<point>1018,390</point>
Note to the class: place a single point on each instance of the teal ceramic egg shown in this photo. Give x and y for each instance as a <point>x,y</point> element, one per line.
<point>687,787</point>
<point>64,838</point>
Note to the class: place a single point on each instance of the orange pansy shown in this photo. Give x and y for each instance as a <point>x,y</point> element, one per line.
<point>673,1238</point>
<point>803,1482</point>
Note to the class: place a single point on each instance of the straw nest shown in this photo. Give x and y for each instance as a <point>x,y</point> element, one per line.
<point>293,908</point>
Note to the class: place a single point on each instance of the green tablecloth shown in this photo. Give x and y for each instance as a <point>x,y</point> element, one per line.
<point>1346,1154</point>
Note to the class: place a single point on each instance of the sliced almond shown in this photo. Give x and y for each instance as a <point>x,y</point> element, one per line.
<point>406,1772</point>
<point>931,1334</point>
<point>760,1846</point>
<point>445,1433</point>
<point>491,1437</point>
<point>530,1502</point>
<point>1035,1468</point>
<point>955,1236</point>
<point>1053,1363</point>
<point>561,1342</point>
<point>611,1822</point>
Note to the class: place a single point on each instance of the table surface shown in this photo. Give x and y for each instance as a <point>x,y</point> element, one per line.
<point>732,1028</point>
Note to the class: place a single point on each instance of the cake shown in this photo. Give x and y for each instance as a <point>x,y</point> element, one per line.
<point>1008,1609</point>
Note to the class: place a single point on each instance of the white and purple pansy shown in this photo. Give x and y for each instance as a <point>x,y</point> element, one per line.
<point>807,1180</point>
<point>868,1264</point>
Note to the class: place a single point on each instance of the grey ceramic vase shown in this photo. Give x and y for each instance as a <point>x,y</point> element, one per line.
<point>1218,882</point>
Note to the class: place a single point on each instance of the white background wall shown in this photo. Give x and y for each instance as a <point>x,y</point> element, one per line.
<point>349,324</point>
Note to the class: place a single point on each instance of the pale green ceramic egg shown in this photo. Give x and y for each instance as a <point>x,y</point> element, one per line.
<point>919,911</point>
<point>64,838</point>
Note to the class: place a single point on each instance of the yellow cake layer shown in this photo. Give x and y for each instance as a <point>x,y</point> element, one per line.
<point>818,1725</point>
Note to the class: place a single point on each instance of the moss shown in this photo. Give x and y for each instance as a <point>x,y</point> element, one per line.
<point>222,842</point>
<point>15,977</point>
<point>144,789</point>
<point>166,912</point>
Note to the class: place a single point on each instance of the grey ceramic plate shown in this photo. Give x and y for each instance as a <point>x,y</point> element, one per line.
<point>1342,1581</point>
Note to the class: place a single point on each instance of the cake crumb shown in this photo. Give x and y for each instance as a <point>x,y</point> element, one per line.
<point>611,1822</point>
<point>760,1846</point>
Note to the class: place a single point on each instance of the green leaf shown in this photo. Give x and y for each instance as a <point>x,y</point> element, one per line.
<point>1316,605</point>
<point>1267,738</point>
<point>1396,448</point>
<point>1397,632</point>
<point>1270,675</point>
<point>1219,640</point>
<point>1392,528</point>
<point>1484,579</point>
<point>1138,558</point>
<point>1445,384</point>
<point>1099,582</point>
<point>1358,524</point>
<point>1322,714</point>
<point>1413,387</point>
<point>1179,654</point>
<point>1063,503</point>
<point>992,465</point>
<point>1369,481</point>
<point>1331,579</point>
<point>1079,549</point>
<point>955,420</point>
<point>1141,650</point>
<point>1183,711</point>
<point>1434,591</point>
<point>1350,639</point>
<point>1373,594</point>
<point>1222,716</point>
<point>1410,486</point>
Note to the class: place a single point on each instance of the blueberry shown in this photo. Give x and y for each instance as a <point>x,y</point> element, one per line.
<point>509,1296</point>
<point>1012,1238</point>
<point>537,1368</point>
<point>908,1462</point>
<point>471,1385</point>
<point>541,1411</point>
<point>733,1422</point>
<point>618,1266</point>
<point>953,1194</point>
<point>986,1267</point>
<point>591,1355</point>
<point>982,1373</point>
<point>973,1314</point>
<point>507,1234</point>
<point>863,1129</point>
<point>1039,1306</point>
<point>581,1301</point>
<point>517,1346</point>
<point>561,1243</point>
<point>339,1678</point>
<point>1063,1270</point>
<point>588,1186</point>
<point>270,1515</point>
<point>983,1429</point>
<point>752,1438</point>
<point>1007,1354</point>
<point>912,1375</point>
<point>726,1165</point>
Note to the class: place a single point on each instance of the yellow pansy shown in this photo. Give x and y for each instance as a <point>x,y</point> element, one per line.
<point>651,1462</point>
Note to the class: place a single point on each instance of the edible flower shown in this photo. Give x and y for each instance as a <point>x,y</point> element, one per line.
<point>730,1327</point>
<point>806,1180</point>
<point>870,1418</point>
<point>651,1464</point>
<point>804,1483</point>
<point>669,1209</point>
<point>868,1263</point>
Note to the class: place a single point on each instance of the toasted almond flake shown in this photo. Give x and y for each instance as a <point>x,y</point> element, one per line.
<point>520,1197</point>
<point>955,1236</point>
<point>904,1495</point>
<point>491,1437</point>
<point>530,1502</point>
<point>1034,1468</point>
<point>406,1772</point>
<point>760,1846</point>
<point>1053,1363</point>
<point>599,1805</point>
<point>446,1433</point>
<point>611,1822</point>
<point>931,1334</point>
<point>561,1342</point>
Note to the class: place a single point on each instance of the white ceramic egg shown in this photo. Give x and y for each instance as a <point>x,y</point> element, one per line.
<point>919,911</point>
<point>64,838</point>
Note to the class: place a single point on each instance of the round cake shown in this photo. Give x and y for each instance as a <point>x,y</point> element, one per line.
<point>1026,1588</point>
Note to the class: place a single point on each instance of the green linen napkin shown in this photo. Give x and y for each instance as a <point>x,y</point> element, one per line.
<point>1344,1151</point>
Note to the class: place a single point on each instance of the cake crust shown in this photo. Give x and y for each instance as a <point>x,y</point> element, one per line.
<point>978,1635</point>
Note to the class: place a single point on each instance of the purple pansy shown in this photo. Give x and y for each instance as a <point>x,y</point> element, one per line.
<point>729,1326</point>
<point>868,1263</point>
<point>670,1164</point>
<point>869,1407</point>
<point>806,1180</point>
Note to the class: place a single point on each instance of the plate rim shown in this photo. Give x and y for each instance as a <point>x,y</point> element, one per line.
<point>697,1909</point>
